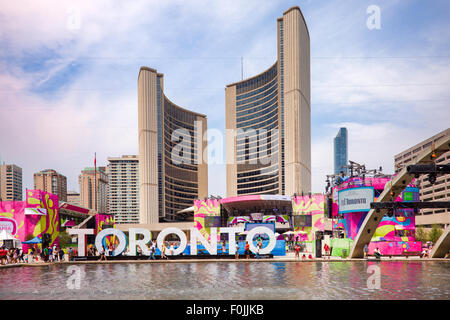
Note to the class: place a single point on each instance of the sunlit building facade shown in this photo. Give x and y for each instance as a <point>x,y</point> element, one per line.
<point>172,172</point>
<point>268,119</point>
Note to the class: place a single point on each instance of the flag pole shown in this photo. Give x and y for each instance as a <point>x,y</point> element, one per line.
<point>95,181</point>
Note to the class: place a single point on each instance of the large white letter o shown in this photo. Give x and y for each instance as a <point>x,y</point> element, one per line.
<point>183,240</point>
<point>272,240</point>
<point>111,231</point>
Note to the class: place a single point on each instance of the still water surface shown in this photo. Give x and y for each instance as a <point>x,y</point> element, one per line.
<point>229,280</point>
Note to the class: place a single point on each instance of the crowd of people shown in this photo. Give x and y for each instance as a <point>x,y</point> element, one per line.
<point>34,254</point>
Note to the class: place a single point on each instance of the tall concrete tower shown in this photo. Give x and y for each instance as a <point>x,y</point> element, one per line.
<point>168,181</point>
<point>271,114</point>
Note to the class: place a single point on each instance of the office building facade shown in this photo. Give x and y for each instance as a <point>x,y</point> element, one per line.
<point>341,151</point>
<point>172,172</point>
<point>10,182</point>
<point>51,181</point>
<point>73,197</point>
<point>123,195</point>
<point>268,119</point>
<point>88,180</point>
<point>438,191</point>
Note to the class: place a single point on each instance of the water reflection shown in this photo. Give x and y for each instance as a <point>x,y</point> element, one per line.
<point>231,280</point>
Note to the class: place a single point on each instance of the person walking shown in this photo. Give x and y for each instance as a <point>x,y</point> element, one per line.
<point>139,251</point>
<point>236,256</point>
<point>163,251</point>
<point>247,250</point>
<point>103,254</point>
<point>21,255</point>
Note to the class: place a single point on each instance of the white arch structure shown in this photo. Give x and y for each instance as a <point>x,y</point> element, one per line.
<point>396,186</point>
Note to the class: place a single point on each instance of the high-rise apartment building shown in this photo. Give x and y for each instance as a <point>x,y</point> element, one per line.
<point>268,119</point>
<point>88,181</point>
<point>341,151</point>
<point>10,182</point>
<point>73,197</point>
<point>172,172</point>
<point>123,195</point>
<point>438,191</point>
<point>51,181</point>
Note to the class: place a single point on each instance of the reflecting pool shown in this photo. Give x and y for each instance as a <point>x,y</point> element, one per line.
<point>230,280</point>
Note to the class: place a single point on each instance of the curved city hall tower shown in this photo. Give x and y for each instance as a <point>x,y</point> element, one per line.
<point>272,152</point>
<point>172,172</point>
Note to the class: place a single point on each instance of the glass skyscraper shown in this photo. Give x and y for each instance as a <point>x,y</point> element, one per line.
<point>341,151</point>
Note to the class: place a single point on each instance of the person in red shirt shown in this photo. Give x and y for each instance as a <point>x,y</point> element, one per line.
<point>297,251</point>
<point>3,254</point>
<point>247,250</point>
<point>326,248</point>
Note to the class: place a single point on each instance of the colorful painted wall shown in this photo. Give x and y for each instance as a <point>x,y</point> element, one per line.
<point>103,221</point>
<point>393,235</point>
<point>394,247</point>
<point>31,218</point>
<point>313,205</point>
<point>202,209</point>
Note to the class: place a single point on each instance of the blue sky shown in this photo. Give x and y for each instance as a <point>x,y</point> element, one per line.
<point>68,75</point>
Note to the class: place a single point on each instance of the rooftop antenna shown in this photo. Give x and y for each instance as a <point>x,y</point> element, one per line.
<point>242,68</point>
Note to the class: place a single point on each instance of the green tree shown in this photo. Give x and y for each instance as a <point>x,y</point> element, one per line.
<point>435,233</point>
<point>64,239</point>
<point>421,234</point>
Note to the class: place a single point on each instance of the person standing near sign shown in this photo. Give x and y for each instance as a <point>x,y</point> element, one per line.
<point>297,251</point>
<point>258,247</point>
<point>163,251</point>
<point>247,250</point>
<point>152,250</point>
<point>111,249</point>
<point>224,247</point>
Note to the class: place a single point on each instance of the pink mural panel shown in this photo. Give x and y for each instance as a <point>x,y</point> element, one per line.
<point>395,247</point>
<point>42,217</point>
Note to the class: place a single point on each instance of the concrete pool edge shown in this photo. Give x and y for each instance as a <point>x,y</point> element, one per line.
<point>43,264</point>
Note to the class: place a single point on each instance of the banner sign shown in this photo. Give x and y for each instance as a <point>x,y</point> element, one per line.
<point>355,199</point>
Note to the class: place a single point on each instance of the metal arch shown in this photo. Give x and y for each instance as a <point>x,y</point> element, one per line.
<point>441,246</point>
<point>391,191</point>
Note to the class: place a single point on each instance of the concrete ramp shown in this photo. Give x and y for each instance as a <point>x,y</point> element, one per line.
<point>391,191</point>
<point>84,222</point>
<point>442,246</point>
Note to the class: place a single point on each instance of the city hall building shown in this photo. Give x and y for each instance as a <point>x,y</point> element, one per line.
<point>268,119</point>
<point>172,173</point>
